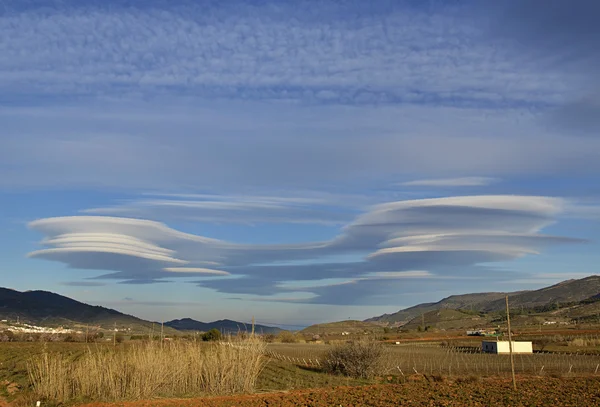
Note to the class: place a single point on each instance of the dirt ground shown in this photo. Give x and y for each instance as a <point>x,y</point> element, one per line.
<point>421,391</point>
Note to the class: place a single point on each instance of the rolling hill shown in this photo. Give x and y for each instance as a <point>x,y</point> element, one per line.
<point>336,328</point>
<point>569,293</point>
<point>224,325</point>
<point>448,319</point>
<point>564,292</point>
<point>50,309</point>
<point>471,302</point>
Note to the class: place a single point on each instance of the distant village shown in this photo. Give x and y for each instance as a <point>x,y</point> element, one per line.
<point>27,328</point>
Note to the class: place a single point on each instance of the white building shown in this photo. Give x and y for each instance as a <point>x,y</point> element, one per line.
<point>502,347</point>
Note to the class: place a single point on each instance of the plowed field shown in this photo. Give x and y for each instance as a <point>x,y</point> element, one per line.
<point>576,392</point>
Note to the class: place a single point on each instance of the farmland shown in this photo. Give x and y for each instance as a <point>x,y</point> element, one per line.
<point>531,392</point>
<point>445,371</point>
<point>434,359</point>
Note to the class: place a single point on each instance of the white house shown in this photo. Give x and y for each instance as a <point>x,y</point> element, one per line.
<point>502,347</point>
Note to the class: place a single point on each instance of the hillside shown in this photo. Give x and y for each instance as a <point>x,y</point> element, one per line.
<point>224,325</point>
<point>567,292</point>
<point>336,328</point>
<point>564,292</point>
<point>449,319</point>
<point>50,309</point>
<point>471,302</point>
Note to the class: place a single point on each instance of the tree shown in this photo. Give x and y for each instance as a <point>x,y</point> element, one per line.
<point>212,335</point>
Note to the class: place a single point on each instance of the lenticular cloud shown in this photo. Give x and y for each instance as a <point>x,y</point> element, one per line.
<point>385,244</point>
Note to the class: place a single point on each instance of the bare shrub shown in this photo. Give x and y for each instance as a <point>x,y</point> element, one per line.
<point>148,370</point>
<point>358,359</point>
<point>542,342</point>
<point>287,337</point>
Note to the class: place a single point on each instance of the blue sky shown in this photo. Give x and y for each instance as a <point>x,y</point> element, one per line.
<point>296,161</point>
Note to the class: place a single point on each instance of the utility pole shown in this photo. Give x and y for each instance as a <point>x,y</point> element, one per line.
<point>162,335</point>
<point>510,347</point>
<point>115,335</point>
<point>253,326</point>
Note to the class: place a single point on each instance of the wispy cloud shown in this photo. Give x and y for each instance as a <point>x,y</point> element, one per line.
<point>451,182</point>
<point>341,52</point>
<point>188,96</point>
<point>195,270</point>
<point>346,146</point>
<point>319,208</point>
<point>127,302</point>
<point>564,38</point>
<point>83,284</point>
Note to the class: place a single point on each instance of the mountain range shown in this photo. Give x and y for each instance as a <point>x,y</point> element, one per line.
<point>225,326</point>
<point>569,299</point>
<point>569,292</point>
<point>49,309</point>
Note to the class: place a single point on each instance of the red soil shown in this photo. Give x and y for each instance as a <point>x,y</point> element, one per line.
<point>431,391</point>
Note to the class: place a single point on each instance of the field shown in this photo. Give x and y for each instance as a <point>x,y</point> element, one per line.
<point>414,373</point>
<point>417,393</point>
<point>431,358</point>
<point>274,376</point>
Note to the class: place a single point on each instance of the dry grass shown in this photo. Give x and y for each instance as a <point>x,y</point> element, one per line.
<point>584,342</point>
<point>149,370</point>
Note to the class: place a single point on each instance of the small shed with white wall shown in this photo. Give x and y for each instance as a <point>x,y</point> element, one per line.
<point>503,347</point>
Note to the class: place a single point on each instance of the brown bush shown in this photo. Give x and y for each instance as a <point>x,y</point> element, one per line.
<point>358,359</point>
<point>287,337</point>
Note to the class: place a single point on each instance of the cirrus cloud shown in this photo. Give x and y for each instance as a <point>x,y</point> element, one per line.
<point>451,182</point>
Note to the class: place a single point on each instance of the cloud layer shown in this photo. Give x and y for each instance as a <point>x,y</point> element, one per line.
<point>346,52</point>
<point>381,251</point>
<point>450,182</point>
<point>187,96</point>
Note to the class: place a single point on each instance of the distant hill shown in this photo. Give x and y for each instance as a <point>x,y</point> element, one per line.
<point>449,319</point>
<point>336,328</point>
<point>224,325</point>
<point>471,302</point>
<point>566,292</point>
<point>50,309</point>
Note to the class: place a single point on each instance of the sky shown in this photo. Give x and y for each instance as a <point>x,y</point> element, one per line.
<point>296,161</point>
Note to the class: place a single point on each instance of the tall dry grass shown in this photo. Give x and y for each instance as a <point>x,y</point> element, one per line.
<point>149,370</point>
<point>584,342</point>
